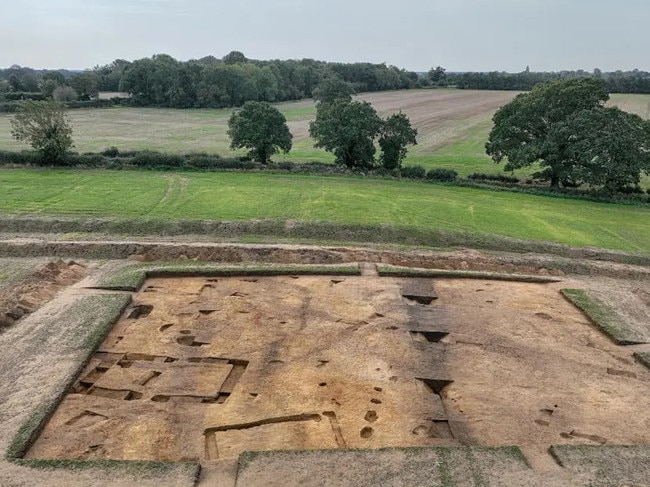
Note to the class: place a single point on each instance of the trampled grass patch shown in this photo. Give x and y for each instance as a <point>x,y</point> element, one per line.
<point>247,196</point>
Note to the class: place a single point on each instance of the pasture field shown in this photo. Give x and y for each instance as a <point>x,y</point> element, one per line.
<point>245,196</point>
<point>453,126</point>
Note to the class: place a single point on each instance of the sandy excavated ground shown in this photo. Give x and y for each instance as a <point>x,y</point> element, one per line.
<point>221,366</point>
<point>203,369</point>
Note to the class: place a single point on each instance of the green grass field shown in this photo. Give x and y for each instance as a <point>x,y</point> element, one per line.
<point>244,196</point>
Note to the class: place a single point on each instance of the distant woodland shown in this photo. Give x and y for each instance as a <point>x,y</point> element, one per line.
<point>230,81</point>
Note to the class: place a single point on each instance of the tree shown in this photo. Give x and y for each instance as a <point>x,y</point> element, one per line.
<point>333,88</point>
<point>50,81</point>
<point>85,84</point>
<point>608,148</point>
<point>260,127</point>
<point>521,128</point>
<point>56,76</point>
<point>396,133</point>
<point>437,76</point>
<point>235,57</point>
<point>47,87</point>
<point>348,130</point>
<point>45,126</point>
<point>64,93</point>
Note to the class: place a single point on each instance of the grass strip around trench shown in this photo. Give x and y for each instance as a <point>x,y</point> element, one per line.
<point>431,466</point>
<point>605,465</point>
<point>88,321</point>
<point>132,277</point>
<point>413,207</point>
<point>602,316</point>
<point>396,271</point>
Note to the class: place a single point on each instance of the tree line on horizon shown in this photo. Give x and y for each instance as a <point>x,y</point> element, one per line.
<point>208,82</point>
<point>635,81</point>
<point>232,80</point>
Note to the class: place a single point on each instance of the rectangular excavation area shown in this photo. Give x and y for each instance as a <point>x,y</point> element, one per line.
<point>202,369</point>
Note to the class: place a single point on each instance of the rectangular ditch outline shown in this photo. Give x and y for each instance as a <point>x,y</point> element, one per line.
<point>33,426</point>
<point>126,360</point>
<point>135,277</point>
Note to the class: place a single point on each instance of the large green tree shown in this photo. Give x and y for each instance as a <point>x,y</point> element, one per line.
<point>261,128</point>
<point>607,147</point>
<point>522,127</point>
<point>396,134</point>
<point>45,126</point>
<point>347,129</point>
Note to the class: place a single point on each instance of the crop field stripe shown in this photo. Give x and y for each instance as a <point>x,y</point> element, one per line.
<point>246,196</point>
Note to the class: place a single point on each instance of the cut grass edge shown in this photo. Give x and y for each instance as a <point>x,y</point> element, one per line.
<point>602,316</point>
<point>472,456</point>
<point>93,316</point>
<point>397,271</point>
<point>132,277</point>
<point>568,456</point>
<point>643,358</point>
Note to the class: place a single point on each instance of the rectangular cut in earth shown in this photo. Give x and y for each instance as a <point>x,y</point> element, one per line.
<point>202,369</point>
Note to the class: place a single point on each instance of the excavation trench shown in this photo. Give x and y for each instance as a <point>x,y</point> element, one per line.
<point>203,370</point>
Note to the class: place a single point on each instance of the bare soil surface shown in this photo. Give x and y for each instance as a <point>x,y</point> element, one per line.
<point>205,369</point>
<point>441,116</point>
<point>530,370</point>
<point>486,363</point>
<point>38,360</point>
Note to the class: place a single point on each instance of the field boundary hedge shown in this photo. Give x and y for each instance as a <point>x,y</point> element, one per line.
<point>12,105</point>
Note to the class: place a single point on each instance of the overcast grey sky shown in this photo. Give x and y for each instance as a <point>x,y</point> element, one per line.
<point>461,35</point>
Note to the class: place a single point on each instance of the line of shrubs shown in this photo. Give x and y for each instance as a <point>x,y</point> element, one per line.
<point>11,106</point>
<point>22,95</point>
<point>113,158</point>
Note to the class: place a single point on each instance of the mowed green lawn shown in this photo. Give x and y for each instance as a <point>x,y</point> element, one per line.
<point>243,196</point>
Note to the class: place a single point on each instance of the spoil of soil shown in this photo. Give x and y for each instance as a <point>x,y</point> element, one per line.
<point>31,289</point>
